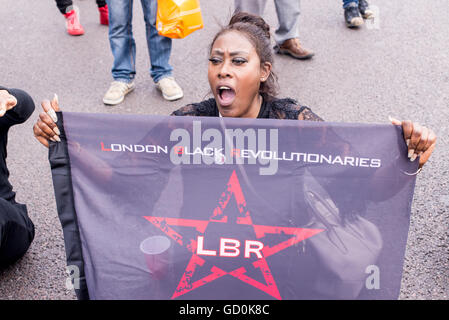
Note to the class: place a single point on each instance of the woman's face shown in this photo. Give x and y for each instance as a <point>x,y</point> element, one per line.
<point>235,74</point>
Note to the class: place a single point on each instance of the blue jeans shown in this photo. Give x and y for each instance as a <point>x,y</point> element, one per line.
<point>347,2</point>
<point>123,45</point>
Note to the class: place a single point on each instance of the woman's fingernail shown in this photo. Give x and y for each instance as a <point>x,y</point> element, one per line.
<point>56,130</point>
<point>52,139</point>
<point>411,152</point>
<point>413,158</point>
<point>55,98</point>
<point>52,115</point>
<point>393,120</point>
<point>57,138</point>
<point>407,142</point>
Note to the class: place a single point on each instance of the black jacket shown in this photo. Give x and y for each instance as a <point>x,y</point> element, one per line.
<point>19,114</point>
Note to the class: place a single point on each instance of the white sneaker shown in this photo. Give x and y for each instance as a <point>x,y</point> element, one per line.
<point>170,89</point>
<point>117,92</point>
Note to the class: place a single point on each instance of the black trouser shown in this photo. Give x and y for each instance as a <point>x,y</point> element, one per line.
<point>16,232</point>
<point>63,4</point>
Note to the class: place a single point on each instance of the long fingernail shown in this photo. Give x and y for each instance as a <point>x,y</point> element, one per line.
<point>56,130</point>
<point>407,142</point>
<point>57,138</point>
<point>55,98</point>
<point>411,152</point>
<point>52,115</point>
<point>393,119</point>
<point>52,139</point>
<point>413,158</point>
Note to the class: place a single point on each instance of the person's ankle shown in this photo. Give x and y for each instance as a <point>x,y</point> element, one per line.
<point>69,9</point>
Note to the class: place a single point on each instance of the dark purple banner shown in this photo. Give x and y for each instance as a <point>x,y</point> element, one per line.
<point>156,207</point>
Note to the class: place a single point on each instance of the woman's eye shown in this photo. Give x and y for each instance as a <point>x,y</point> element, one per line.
<point>239,61</point>
<point>215,60</point>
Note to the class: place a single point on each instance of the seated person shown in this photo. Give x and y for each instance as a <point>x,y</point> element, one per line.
<point>16,228</point>
<point>244,86</point>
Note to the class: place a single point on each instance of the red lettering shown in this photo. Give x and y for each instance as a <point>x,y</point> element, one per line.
<point>103,148</point>
<point>178,149</point>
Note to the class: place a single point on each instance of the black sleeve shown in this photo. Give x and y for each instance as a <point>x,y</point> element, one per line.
<point>21,112</point>
<point>306,114</point>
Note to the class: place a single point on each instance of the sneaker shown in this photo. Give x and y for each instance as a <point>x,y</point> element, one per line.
<point>73,25</point>
<point>292,47</point>
<point>352,16</point>
<point>104,15</point>
<point>365,10</point>
<point>117,92</point>
<point>170,89</point>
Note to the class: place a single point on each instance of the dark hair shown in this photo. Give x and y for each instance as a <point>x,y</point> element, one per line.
<point>258,33</point>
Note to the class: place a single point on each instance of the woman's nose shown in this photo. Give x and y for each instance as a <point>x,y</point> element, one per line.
<point>224,70</point>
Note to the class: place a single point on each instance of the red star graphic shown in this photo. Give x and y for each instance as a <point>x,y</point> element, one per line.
<point>232,188</point>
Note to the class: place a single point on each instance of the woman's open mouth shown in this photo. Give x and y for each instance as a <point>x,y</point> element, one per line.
<point>226,95</point>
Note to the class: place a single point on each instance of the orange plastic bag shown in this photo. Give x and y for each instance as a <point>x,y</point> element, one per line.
<point>178,18</point>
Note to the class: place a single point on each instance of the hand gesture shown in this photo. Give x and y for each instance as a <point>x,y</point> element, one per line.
<point>45,128</point>
<point>7,102</point>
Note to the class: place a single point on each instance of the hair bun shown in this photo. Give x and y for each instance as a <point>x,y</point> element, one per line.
<point>245,17</point>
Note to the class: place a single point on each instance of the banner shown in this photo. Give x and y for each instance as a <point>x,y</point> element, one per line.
<point>158,207</point>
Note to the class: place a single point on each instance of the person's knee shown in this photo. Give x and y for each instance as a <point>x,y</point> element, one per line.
<point>120,18</point>
<point>16,239</point>
<point>16,232</point>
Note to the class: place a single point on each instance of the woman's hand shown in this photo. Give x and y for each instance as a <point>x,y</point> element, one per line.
<point>420,140</point>
<point>45,128</point>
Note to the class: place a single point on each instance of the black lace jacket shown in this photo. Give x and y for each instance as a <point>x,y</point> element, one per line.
<point>272,109</point>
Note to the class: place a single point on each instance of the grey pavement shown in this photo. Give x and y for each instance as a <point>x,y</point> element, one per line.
<point>397,66</point>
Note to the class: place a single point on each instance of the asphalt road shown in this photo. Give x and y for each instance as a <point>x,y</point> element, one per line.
<point>398,66</point>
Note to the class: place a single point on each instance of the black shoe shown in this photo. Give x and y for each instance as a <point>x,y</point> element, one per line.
<point>352,16</point>
<point>364,9</point>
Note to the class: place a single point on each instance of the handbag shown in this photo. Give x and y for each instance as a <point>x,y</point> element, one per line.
<point>177,19</point>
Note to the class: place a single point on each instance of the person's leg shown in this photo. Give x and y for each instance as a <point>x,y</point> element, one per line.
<point>104,12</point>
<point>346,3</point>
<point>288,12</point>
<point>101,3</point>
<point>352,15</point>
<point>365,10</point>
<point>63,5</point>
<point>159,49</point>
<point>121,40</point>
<point>250,6</point>
<point>123,49</point>
<point>16,232</point>
<point>287,34</point>
<point>73,25</point>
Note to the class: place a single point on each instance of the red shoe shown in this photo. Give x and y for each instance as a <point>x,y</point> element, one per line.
<point>74,27</point>
<point>104,15</point>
